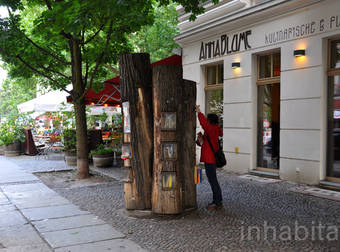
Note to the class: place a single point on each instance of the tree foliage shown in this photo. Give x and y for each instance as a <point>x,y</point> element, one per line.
<point>72,41</point>
<point>195,7</point>
<point>14,92</point>
<point>157,39</point>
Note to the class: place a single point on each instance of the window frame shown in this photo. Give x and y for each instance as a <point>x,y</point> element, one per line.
<point>332,71</point>
<point>215,86</point>
<point>262,82</point>
<point>268,80</point>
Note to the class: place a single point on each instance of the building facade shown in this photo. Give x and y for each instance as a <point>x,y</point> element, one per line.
<point>271,70</point>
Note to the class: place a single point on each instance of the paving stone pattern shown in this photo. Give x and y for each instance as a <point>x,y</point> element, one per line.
<point>251,208</point>
<point>46,225</point>
<point>246,204</point>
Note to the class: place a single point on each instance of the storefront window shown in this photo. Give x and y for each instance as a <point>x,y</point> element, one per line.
<point>265,66</point>
<point>211,75</point>
<point>268,141</point>
<point>268,112</point>
<point>214,90</point>
<point>214,75</point>
<point>335,54</point>
<point>333,118</point>
<point>214,103</point>
<point>276,64</point>
<point>269,65</point>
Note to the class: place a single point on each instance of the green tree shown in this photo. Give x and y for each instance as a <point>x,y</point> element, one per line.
<point>157,39</point>
<point>14,92</point>
<point>71,41</point>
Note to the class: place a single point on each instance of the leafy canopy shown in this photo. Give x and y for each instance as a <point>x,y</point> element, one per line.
<point>157,39</point>
<point>61,40</point>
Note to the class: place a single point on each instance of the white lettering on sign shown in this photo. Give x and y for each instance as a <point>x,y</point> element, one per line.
<point>302,30</point>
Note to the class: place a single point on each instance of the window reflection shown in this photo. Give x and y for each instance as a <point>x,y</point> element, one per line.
<point>211,75</point>
<point>214,103</point>
<point>333,152</point>
<point>276,64</point>
<point>265,66</point>
<point>268,141</point>
<point>335,54</point>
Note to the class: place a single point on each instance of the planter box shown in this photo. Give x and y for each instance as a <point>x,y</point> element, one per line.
<point>102,160</point>
<point>13,149</point>
<point>71,158</point>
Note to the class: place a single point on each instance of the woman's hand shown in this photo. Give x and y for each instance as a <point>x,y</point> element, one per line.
<point>198,109</point>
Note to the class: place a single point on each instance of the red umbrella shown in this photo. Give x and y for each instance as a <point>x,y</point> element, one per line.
<point>110,94</point>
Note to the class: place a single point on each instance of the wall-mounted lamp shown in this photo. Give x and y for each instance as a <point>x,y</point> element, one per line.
<point>299,53</point>
<point>235,65</point>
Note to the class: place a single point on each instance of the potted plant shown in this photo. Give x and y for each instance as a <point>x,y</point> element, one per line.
<point>12,135</point>
<point>102,156</point>
<point>2,147</point>
<point>70,148</point>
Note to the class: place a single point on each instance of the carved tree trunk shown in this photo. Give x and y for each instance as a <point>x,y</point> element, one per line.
<point>136,88</point>
<point>167,176</point>
<point>187,155</point>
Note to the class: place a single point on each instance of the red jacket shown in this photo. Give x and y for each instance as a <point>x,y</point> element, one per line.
<point>213,131</point>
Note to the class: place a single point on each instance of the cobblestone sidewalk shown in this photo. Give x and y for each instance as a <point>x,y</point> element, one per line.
<point>256,216</point>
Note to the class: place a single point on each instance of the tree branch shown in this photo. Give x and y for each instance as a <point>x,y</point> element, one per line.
<point>35,44</point>
<point>84,53</point>
<point>89,40</point>
<point>66,35</point>
<point>113,69</point>
<point>100,58</point>
<point>42,74</point>
<point>56,72</point>
<point>45,51</point>
<point>48,4</point>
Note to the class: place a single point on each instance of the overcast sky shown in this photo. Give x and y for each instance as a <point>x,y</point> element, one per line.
<point>3,13</point>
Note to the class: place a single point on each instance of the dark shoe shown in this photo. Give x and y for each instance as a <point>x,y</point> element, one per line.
<point>212,203</point>
<point>214,206</point>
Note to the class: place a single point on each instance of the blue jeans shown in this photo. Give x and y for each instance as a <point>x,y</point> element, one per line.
<point>210,170</point>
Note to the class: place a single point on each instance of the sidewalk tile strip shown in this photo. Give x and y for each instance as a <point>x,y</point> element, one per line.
<point>81,235</point>
<point>317,192</point>
<point>6,208</point>
<point>41,202</point>
<point>260,179</point>
<point>19,235</point>
<point>11,218</point>
<point>28,248</point>
<point>67,223</point>
<point>34,214</point>
<point>117,245</point>
<point>35,187</point>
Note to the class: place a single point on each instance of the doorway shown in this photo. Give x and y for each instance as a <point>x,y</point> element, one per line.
<point>268,112</point>
<point>333,111</point>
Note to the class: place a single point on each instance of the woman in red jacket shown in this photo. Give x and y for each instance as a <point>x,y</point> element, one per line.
<point>213,131</point>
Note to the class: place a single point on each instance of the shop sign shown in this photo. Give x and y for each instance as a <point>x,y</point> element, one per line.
<point>302,30</point>
<point>225,45</point>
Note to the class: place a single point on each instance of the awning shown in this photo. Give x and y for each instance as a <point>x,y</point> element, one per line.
<point>49,102</point>
<point>110,94</point>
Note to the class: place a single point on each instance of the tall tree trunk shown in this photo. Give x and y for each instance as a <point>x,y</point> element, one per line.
<point>188,153</point>
<point>81,133</point>
<point>168,167</point>
<point>79,109</point>
<point>136,88</point>
<point>174,186</point>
